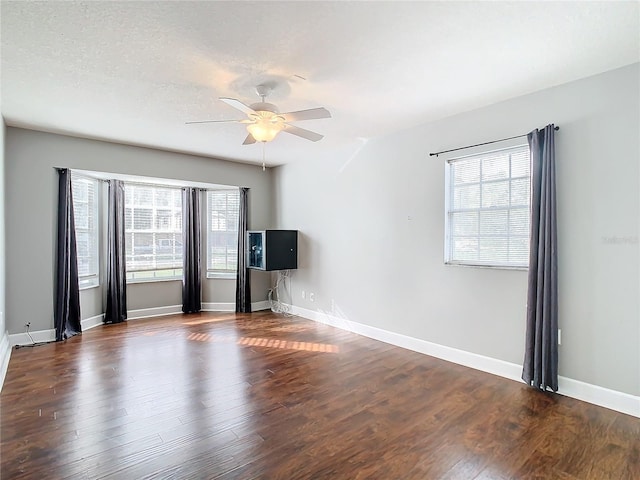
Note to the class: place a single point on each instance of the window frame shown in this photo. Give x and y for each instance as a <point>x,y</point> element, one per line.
<point>90,280</point>
<point>449,210</point>
<point>212,273</point>
<point>140,275</point>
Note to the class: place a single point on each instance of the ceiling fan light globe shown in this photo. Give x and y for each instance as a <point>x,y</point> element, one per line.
<point>264,130</point>
<point>266,126</point>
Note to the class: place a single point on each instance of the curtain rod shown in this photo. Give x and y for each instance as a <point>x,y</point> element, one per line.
<point>485,143</point>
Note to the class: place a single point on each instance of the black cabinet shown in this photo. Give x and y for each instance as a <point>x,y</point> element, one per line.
<point>273,249</point>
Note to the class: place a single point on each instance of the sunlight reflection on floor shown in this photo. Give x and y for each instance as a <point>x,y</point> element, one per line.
<point>265,342</point>
<point>210,320</point>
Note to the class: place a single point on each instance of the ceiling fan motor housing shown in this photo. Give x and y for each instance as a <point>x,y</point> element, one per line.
<point>264,107</point>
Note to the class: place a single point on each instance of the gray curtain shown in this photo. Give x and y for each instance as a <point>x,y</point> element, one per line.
<point>243,279</point>
<point>540,368</point>
<point>67,303</point>
<point>191,283</point>
<point>116,310</point>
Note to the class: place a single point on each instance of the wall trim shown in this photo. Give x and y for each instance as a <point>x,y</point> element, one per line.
<point>206,307</point>
<point>89,323</point>
<point>153,312</point>
<point>231,306</point>
<point>5,356</point>
<point>218,307</point>
<point>37,335</point>
<point>258,306</point>
<point>604,397</point>
<point>50,334</point>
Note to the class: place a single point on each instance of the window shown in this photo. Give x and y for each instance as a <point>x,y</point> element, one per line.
<point>85,212</point>
<point>153,232</point>
<point>223,207</point>
<point>487,209</point>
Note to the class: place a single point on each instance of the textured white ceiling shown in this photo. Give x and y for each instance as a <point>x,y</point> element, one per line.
<point>134,72</point>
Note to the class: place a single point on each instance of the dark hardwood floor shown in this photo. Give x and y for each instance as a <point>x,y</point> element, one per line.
<point>260,396</point>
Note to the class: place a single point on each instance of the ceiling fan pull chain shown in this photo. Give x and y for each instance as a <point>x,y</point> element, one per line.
<point>263,147</point>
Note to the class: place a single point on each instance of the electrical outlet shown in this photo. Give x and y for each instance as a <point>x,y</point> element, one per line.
<point>304,295</point>
<point>312,297</point>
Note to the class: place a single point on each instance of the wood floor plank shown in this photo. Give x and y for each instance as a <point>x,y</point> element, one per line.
<point>261,396</point>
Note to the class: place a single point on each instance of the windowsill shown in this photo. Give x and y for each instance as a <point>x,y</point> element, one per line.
<point>490,267</point>
<point>221,276</point>
<point>153,280</point>
<point>89,287</point>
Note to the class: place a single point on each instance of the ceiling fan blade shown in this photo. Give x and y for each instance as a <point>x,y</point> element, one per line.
<point>237,104</point>
<point>311,114</point>
<point>249,140</point>
<point>217,121</point>
<point>301,132</point>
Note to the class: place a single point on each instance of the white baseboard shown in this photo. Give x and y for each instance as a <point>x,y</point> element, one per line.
<point>218,307</point>
<point>263,305</point>
<point>50,335</point>
<point>37,335</point>
<point>206,307</point>
<point>153,312</point>
<point>89,323</point>
<point>604,397</point>
<point>231,307</point>
<point>5,356</point>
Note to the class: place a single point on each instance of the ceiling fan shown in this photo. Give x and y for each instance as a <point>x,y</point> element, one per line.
<point>264,120</point>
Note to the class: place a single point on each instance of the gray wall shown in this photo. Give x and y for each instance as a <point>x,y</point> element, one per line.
<point>372,233</point>
<point>31,198</point>
<point>3,327</point>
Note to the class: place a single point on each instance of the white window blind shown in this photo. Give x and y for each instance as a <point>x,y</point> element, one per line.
<point>487,217</point>
<point>223,207</point>
<point>85,212</point>
<point>153,232</point>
